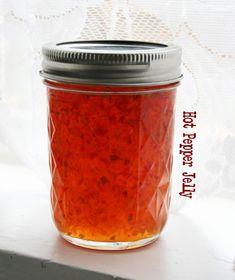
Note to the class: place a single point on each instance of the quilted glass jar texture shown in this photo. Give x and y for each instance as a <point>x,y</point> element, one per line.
<point>110,157</point>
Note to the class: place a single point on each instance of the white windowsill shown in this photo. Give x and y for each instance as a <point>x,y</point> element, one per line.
<point>197,244</point>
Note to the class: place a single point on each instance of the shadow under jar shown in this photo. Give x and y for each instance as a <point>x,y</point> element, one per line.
<point>111,119</point>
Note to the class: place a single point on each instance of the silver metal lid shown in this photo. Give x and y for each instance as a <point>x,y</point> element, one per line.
<point>112,62</point>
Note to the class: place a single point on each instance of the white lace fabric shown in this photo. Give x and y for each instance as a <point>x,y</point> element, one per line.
<point>205,31</point>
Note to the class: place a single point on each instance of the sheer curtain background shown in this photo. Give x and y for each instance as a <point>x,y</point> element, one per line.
<point>203,28</point>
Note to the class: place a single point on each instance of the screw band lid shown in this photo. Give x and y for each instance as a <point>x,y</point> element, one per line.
<point>112,62</point>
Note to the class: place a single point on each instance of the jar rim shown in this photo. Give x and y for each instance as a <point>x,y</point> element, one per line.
<point>108,89</point>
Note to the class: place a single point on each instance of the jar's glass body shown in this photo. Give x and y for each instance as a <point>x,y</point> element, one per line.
<point>111,161</point>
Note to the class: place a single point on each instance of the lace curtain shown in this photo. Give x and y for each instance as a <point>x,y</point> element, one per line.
<point>204,29</point>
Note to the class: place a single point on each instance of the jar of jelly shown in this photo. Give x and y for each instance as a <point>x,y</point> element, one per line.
<point>110,123</point>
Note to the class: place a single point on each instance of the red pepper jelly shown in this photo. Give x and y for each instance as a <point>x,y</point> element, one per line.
<point>110,123</point>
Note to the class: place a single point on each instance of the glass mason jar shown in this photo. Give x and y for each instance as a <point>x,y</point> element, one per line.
<point>110,120</point>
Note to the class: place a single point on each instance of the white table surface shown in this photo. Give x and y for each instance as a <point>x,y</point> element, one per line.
<point>197,244</point>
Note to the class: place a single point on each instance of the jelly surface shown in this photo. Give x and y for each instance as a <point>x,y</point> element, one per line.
<point>111,160</point>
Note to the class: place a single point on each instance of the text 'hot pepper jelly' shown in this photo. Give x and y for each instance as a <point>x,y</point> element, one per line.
<point>110,123</point>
